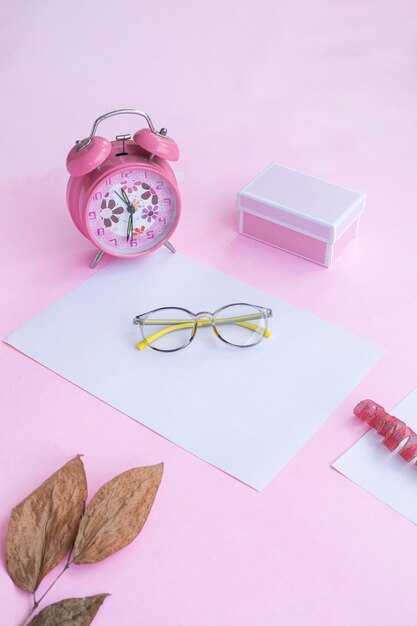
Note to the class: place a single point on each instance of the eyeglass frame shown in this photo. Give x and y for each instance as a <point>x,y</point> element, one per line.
<point>266,313</point>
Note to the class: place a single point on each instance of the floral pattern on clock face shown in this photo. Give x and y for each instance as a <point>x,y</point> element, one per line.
<point>143,194</point>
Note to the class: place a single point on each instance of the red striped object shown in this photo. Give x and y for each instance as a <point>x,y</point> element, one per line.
<point>395,432</point>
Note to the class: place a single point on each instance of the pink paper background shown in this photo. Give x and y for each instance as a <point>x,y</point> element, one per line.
<point>325,87</point>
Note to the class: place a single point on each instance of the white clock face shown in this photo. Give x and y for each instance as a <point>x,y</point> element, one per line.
<point>132,211</point>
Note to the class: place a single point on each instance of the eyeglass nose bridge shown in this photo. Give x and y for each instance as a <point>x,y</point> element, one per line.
<point>204,315</point>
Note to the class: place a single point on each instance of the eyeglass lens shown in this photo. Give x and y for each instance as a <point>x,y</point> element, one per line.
<point>168,329</point>
<point>241,324</point>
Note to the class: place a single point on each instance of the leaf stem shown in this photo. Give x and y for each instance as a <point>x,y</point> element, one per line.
<point>36,603</point>
<point>67,565</point>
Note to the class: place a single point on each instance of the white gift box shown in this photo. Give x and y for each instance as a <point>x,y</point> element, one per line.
<point>301,214</point>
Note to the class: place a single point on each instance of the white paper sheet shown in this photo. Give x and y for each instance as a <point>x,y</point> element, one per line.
<point>245,411</point>
<point>381,472</point>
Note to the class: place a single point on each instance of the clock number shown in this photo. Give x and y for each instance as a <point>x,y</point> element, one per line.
<point>159,184</point>
<point>113,241</point>
<point>92,215</point>
<point>126,174</point>
<point>133,243</point>
<point>167,201</point>
<point>100,232</point>
<point>98,195</point>
<point>150,234</point>
<point>108,181</point>
<point>162,219</point>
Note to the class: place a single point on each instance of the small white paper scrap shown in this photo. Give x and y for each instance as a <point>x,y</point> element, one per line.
<point>382,473</point>
<point>244,411</point>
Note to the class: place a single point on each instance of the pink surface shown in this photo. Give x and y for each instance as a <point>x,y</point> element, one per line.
<point>284,238</point>
<point>328,88</point>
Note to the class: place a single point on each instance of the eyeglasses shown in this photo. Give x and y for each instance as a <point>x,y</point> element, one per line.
<point>169,329</point>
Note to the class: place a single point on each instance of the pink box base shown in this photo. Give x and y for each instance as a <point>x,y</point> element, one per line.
<point>292,241</point>
<point>344,240</point>
<point>284,238</point>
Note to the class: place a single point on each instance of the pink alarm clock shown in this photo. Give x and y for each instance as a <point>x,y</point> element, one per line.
<point>122,194</point>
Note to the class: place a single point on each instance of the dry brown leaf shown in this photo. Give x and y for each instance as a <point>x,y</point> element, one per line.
<point>117,513</point>
<point>43,527</point>
<point>70,612</point>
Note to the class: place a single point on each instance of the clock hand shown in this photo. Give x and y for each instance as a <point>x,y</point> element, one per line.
<point>122,199</point>
<point>130,210</point>
<point>125,197</point>
<point>129,227</point>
